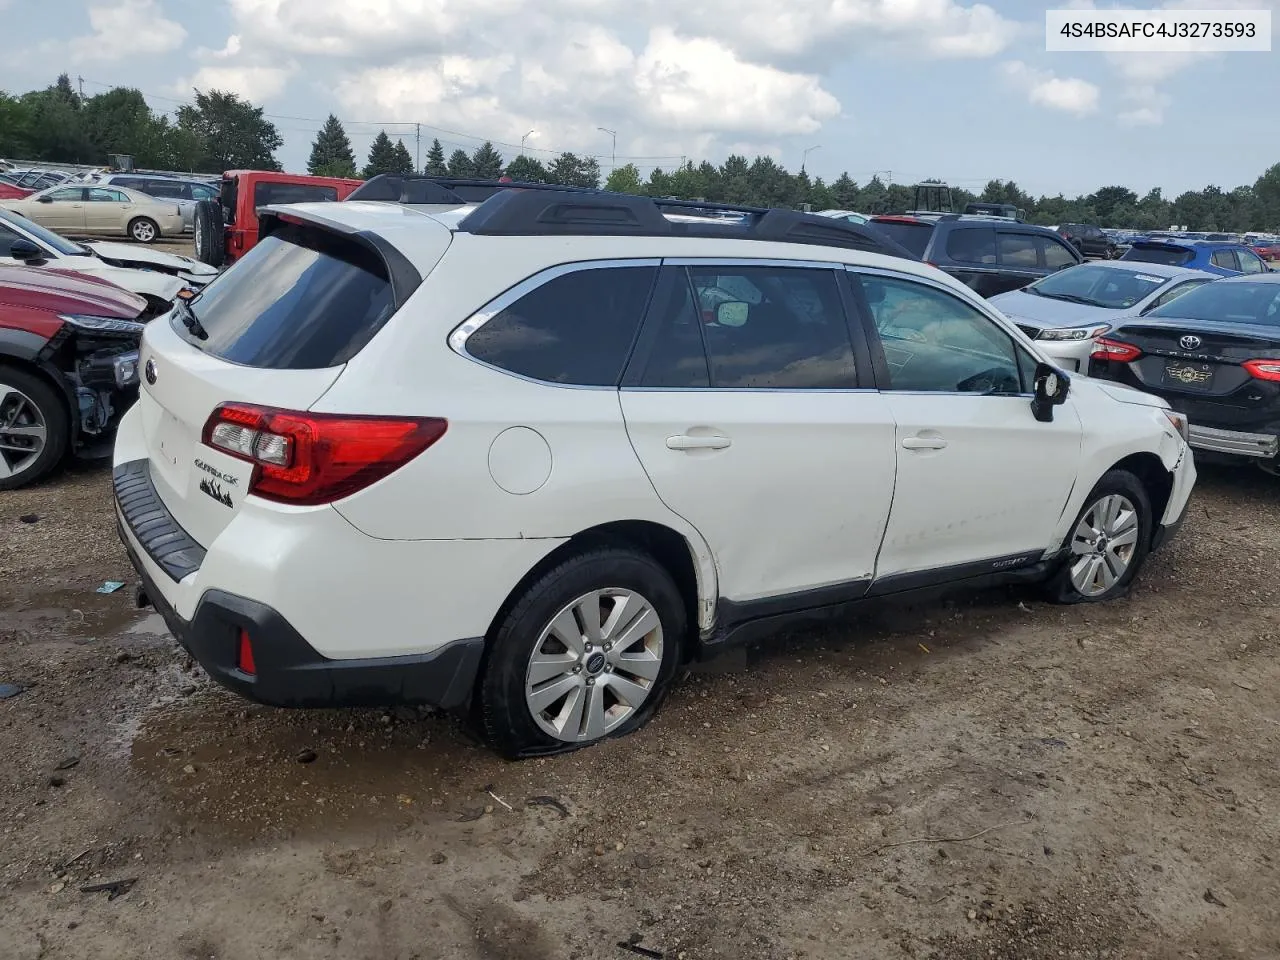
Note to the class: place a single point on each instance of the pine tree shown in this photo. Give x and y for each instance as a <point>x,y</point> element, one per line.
<point>331,154</point>
<point>459,164</point>
<point>436,167</point>
<point>402,162</point>
<point>382,156</point>
<point>486,162</point>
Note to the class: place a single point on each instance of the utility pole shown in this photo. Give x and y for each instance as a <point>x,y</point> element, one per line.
<point>80,81</point>
<point>613,156</point>
<point>805,156</point>
<point>524,138</point>
<point>417,148</point>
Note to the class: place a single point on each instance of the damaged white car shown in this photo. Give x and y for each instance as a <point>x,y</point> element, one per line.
<point>154,275</point>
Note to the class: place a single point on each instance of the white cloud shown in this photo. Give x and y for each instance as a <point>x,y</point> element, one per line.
<point>1043,87</point>
<point>256,83</point>
<point>1147,106</point>
<point>668,75</point>
<point>126,29</point>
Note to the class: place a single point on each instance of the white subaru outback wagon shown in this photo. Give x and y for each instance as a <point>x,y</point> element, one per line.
<point>528,455</point>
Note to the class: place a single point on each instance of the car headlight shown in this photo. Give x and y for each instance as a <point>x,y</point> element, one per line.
<point>1073,333</point>
<point>1179,421</point>
<point>91,324</point>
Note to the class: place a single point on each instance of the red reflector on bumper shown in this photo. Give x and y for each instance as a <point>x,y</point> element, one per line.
<point>244,658</point>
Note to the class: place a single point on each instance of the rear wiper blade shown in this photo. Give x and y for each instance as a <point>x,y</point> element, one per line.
<point>189,319</point>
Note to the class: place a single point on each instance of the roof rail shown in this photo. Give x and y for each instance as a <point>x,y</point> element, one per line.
<point>521,211</point>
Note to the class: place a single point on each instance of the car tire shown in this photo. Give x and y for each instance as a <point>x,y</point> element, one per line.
<point>527,665</point>
<point>27,400</point>
<point>209,233</point>
<point>144,230</point>
<point>1108,543</point>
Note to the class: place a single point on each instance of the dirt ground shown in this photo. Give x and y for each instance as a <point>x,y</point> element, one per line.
<point>988,777</point>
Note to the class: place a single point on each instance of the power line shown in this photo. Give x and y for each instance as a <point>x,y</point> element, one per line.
<point>383,124</point>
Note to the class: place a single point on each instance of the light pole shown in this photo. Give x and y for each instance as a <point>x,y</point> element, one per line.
<point>524,138</point>
<point>805,156</point>
<point>613,157</point>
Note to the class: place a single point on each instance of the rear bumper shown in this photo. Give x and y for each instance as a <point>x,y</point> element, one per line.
<point>1234,442</point>
<point>289,672</point>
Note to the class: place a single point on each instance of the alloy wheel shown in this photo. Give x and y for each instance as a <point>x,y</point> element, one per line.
<point>594,665</point>
<point>1104,544</point>
<point>23,431</point>
<point>143,231</point>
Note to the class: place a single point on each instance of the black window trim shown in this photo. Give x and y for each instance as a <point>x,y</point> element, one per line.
<point>458,337</point>
<point>881,365</point>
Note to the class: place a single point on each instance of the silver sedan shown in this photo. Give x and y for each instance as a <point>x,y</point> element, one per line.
<point>1066,311</point>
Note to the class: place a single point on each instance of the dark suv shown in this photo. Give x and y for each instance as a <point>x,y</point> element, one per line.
<point>1089,240</point>
<point>989,255</point>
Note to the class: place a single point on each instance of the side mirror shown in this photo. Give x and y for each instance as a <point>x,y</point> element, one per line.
<point>25,250</point>
<point>732,313</point>
<point>1051,389</point>
<point>44,199</point>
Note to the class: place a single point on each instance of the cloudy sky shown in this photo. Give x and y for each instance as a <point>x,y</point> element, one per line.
<point>922,88</point>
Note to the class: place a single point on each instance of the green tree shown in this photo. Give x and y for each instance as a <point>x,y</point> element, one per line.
<point>575,171</point>
<point>15,129</point>
<point>55,127</point>
<point>436,166</point>
<point>735,179</point>
<point>624,179</point>
<point>527,170</point>
<point>459,164</point>
<point>486,162</point>
<point>382,156</point>
<point>844,193</point>
<point>119,121</point>
<point>331,154</point>
<point>403,162</point>
<point>231,133</point>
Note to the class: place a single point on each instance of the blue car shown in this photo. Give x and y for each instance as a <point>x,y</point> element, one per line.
<point>1224,259</point>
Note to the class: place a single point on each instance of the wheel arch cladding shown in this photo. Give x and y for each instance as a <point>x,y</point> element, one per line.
<point>671,550</point>
<point>1155,478</point>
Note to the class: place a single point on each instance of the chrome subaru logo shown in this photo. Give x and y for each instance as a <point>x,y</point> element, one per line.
<point>1189,343</point>
<point>149,371</point>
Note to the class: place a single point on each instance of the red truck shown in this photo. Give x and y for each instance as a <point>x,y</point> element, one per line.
<point>227,228</point>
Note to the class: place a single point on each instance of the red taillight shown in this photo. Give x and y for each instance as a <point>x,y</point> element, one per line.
<point>1104,349</point>
<point>244,656</point>
<point>312,458</point>
<point>1263,369</point>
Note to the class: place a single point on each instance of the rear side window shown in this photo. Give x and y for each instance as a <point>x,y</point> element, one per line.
<point>1250,262</point>
<point>300,299</point>
<point>1225,259</point>
<point>1056,254</point>
<point>1169,256</point>
<point>914,236</point>
<point>268,193</point>
<point>780,328</point>
<point>576,328</point>
<point>972,246</point>
<point>1018,250</point>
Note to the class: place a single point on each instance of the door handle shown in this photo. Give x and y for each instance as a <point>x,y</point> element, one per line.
<point>685,442</point>
<point>923,443</point>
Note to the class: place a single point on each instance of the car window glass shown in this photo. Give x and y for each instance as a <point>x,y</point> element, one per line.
<point>1175,292</point>
<point>1250,262</point>
<point>201,192</point>
<point>1018,250</point>
<point>70,193</point>
<point>576,328</point>
<point>101,195</point>
<point>268,193</point>
<point>788,332</point>
<point>1224,258</point>
<point>1170,256</point>
<point>677,357</point>
<point>7,237</point>
<point>1056,254</point>
<point>972,246</point>
<point>934,341</point>
<point>165,188</point>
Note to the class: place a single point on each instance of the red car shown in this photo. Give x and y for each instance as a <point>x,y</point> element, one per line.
<point>227,228</point>
<point>9,190</point>
<point>68,367</point>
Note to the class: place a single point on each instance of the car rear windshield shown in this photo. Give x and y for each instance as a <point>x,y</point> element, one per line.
<point>268,193</point>
<point>913,236</point>
<point>1170,256</point>
<point>301,299</point>
<point>1227,302</point>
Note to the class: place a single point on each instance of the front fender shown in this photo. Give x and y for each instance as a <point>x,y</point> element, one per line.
<point>149,283</point>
